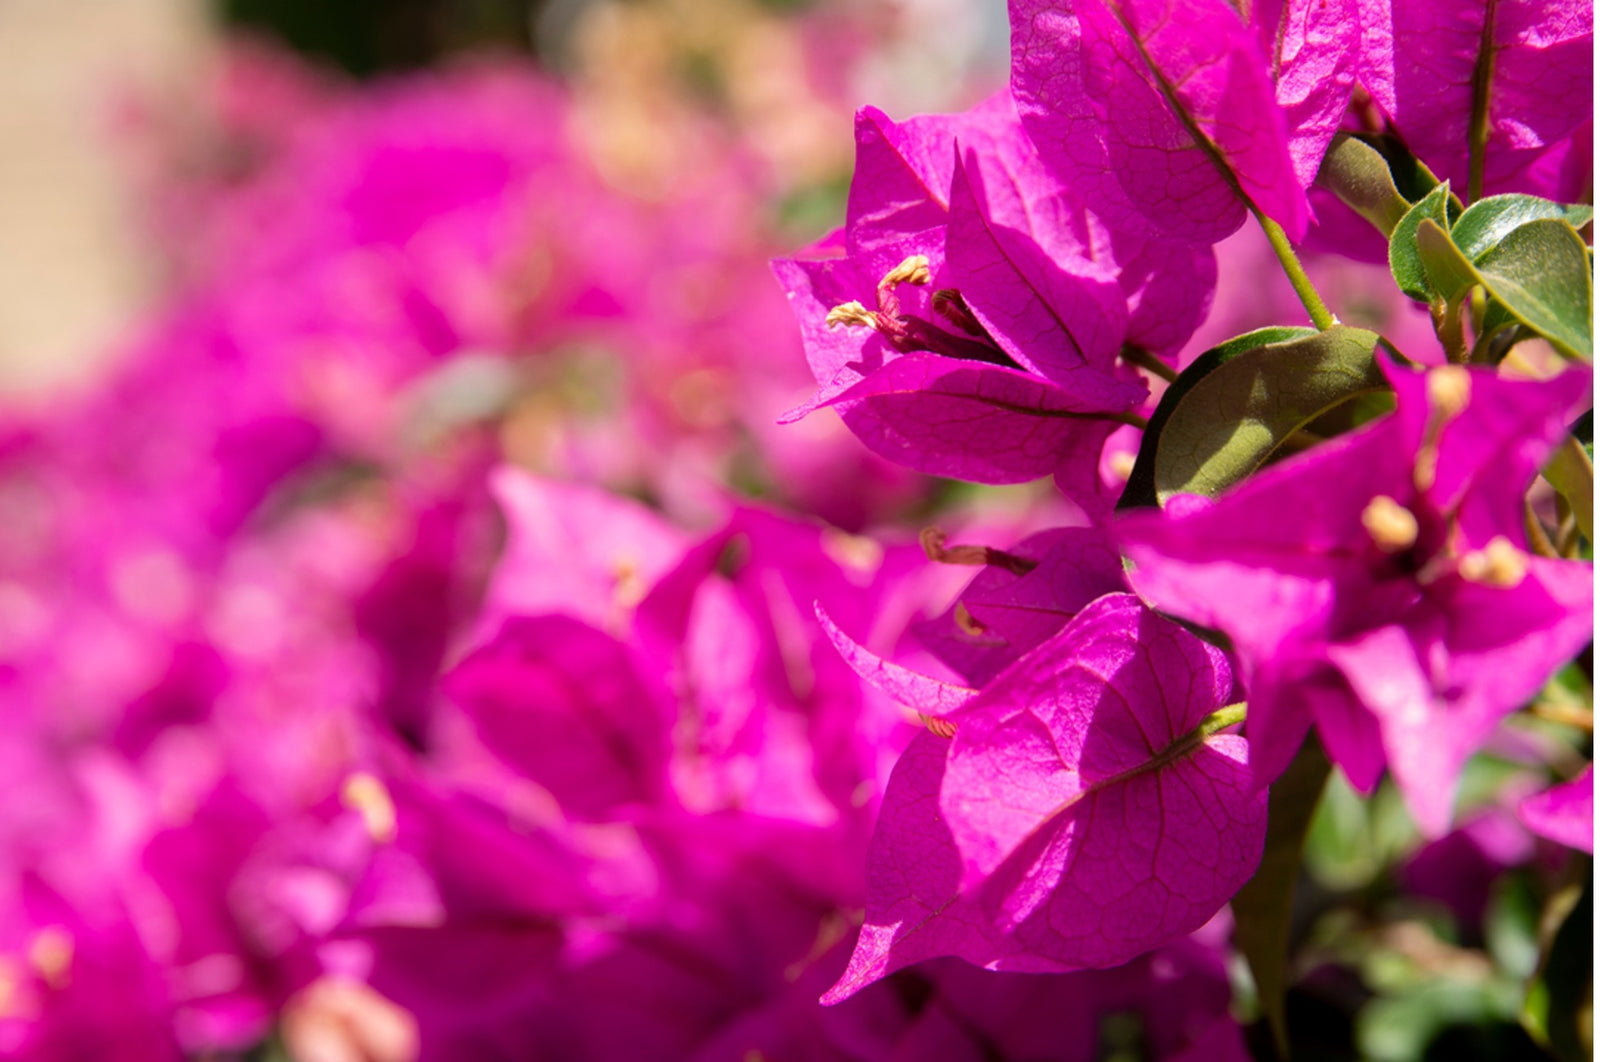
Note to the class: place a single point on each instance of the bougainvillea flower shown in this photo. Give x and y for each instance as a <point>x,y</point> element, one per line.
<point>973,325</point>
<point>1012,845</point>
<point>1564,813</point>
<point>1375,585</point>
<point>1164,112</point>
<point>1525,68</point>
<point>939,399</point>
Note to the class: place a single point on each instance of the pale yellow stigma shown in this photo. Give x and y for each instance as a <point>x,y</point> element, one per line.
<point>914,270</point>
<point>1499,564</point>
<point>367,797</point>
<point>51,955</point>
<point>852,315</point>
<point>1449,391</point>
<point>1122,463</point>
<point>1391,525</point>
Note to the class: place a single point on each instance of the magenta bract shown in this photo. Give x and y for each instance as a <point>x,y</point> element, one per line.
<point>1161,111</point>
<point>1419,61</point>
<point>1564,813</point>
<point>1076,819</point>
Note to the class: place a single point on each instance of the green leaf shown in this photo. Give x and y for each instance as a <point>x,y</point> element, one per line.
<point>1358,174</point>
<point>1261,910</point>
<point>1405,261</point>
<point>1559,1006</point>
<point>1411,177</point>
<point>1571,472</point>
<point>1511,924</point>
<point>1488,221</point>
<point>1449,272</point>
<point>1355,839</point>
<point>1540,271</point>
<point>1140,491</point>
<point>1238,403</point>
<point>1402,1027</point>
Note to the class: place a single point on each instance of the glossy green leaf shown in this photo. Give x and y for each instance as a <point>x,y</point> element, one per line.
<point>1449,272</point>
<point>1540,272</point>
<point>1358,174</point>
<point>1405,261</point>
<point>1488,221</point>
<point>1262,909</point>
<point>1140,491</point>
<point>1236,408</point>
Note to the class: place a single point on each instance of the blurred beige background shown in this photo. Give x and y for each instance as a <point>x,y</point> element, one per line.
<point>71,269</point>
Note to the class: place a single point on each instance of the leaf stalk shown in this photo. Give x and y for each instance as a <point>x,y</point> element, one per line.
<point>1321,316</point>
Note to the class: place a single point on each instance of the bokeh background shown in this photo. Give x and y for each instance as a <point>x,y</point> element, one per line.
<point>90,87</point>
<point>335,334</point>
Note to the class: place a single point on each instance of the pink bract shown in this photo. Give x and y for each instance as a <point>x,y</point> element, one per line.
<point>1013,845</point>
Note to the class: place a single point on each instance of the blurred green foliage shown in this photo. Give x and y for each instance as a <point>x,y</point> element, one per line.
<point>367,37</point>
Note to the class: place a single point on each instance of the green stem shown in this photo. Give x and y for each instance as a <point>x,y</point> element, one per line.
<point>1478,129</point>
<point>1224,717</point>
<point>1149,363</point>
<point>1320,315</point>
<point>1131,418</point>
<point>1447,325</point>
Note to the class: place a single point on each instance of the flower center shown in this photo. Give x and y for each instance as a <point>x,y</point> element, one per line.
<point>909,333</point>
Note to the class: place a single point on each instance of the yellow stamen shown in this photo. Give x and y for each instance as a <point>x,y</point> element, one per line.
<point>1499,564</point>
<point>367,797</point>
<point>1391,525</point>
<point>914,270</point>
<point>852,315</point>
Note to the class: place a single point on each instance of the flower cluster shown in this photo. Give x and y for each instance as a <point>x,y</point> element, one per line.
<point>1325,531</point>
<point>450,632</point>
